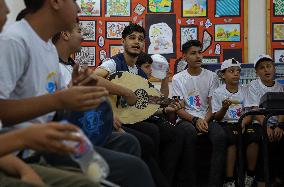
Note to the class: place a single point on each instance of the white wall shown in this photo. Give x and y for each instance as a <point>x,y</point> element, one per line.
<point>15,7</point>
<point>256,28</point>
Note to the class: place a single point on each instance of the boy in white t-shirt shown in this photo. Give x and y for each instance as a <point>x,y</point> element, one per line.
<point>227,107</point>
<point>195,86</point>
<point>265,70</point>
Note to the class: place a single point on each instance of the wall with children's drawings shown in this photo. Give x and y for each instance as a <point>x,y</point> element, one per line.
<point>256,24</point>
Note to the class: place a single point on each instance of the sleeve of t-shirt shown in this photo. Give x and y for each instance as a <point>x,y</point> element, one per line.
<point>251,98</point>
<point>13,63</point>
<point>216,102</point>
<point>214,84</point>
<point>109,65</point>
<point>176,88</point>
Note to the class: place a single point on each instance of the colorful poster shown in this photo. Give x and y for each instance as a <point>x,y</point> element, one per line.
<point>279,55</point>
<point>115,49</point>
<point>211,59</point>
<point>227,32</point>
<point>161,39</point>
<point>278,7</point>
<point>87,55</point>
<point>157,6</point>
<point>278,31</point>
<point>89,7</point>
<point>114,29</point>
<point>194,8</point>
<point>88,30</point>
<point>118,7</point>
<point>187,33</point>
<point>227,8</point>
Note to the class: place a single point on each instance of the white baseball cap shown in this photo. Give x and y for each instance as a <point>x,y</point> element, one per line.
<point>160,66</point>
<point>260,57</point>
<point>230,63</point>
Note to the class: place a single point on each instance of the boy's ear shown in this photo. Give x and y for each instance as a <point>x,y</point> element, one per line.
<point>56,4</point>
<point>65,35</point>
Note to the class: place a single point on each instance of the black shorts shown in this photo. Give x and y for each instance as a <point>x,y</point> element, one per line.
<point>253,133</point>
<point>231,131</point>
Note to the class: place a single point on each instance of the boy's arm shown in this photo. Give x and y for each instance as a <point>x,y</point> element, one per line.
<point>79,98</point>
<point>40,137</point>
<point>165,85</point>
<point>15,167</point>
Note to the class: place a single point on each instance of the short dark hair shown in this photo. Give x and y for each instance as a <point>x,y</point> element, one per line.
<point>34,5</point>
<point>132,27</point>
<point>261,60</point>
<point>143,58</point>
<point>190,43</point>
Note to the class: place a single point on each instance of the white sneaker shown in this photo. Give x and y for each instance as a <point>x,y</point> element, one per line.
<point>249,181</point>
<point>229,184</point>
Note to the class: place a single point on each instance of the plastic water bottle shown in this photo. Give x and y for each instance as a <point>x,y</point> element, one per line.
<point>91,162</point>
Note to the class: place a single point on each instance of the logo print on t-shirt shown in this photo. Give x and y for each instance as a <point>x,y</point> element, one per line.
<point>51,83</point>
<point>235,112</point>
<point>194,102</point>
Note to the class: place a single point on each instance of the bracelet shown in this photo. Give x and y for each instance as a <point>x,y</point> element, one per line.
<point>194,120</point>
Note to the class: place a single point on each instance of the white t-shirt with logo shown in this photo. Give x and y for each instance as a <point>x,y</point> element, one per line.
<point>235,110</point>
<point>110,66</point>
<point>256,90</point>
<point>66,71</point>
<point>195,90</point>
<point>28,65</point>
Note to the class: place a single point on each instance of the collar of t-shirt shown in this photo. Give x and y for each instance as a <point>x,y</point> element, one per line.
<point>70,62</point>
<point>263,86</point>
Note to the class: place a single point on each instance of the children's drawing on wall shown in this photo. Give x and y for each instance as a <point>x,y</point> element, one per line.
<point>89,7</point>
<point>115,49</point>
<point>88,30</point>
<point>227,32</point>
<point>101,42</point>
<point>87,55</point>
<point>279,55</point>
<point>139,9</point>
<point>206,40</point>
<point>114,29</point>
<point>118,7</point>
<point>227,8</point>
<point>278,7</point>
<point>156,6</point>
<point>188,33</point>
<point>103,55</point>
<point>278,31</point>
<point>210,60</point>
<point>217,49</point>
<point>161,36</point>
<point>180,65</point>
<point>194,8</point>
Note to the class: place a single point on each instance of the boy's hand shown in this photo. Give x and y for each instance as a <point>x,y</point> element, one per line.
<point>81,98</point>
<point>48,137</point>
<point>278,133</point>
<point>270,134</point>
<point>82,76</point>
<point>226,103</point>
<point>29,176</point>
<point>202,125</point>
<point>131,98</point>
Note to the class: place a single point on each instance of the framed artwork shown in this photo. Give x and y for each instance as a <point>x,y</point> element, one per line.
<point>278,7</point>
<point>225,8</point>
<point>161,34</point>
<point>277,32</point>
<point>89,7</point>
<point>118,7</point>
<point>155,6</point>
<point>114,49</point>
<point>278,55</point>
<point>188,33</point>
<point>233,53</point>
<point>227,32</point>
<point>211,59</point>
<point>88,30</point>
<point>87,55</point>
<point>114,29</point>
<point>196,8</point>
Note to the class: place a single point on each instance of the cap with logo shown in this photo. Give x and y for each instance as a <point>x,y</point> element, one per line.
<point>160,66</point>
<point>230,63</point>
<point>261,57</point>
